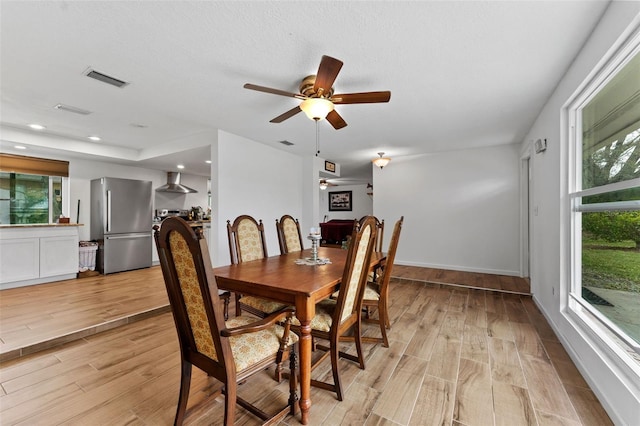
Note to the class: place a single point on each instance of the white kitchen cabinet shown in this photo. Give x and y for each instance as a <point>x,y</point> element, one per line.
<point>34,254</point>
<point>19,259</point>
<point>59,255</point>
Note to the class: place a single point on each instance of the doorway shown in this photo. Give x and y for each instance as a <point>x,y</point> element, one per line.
<point>525,215</point>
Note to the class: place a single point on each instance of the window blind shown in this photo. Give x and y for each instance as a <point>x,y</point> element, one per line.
<point>32,165</point>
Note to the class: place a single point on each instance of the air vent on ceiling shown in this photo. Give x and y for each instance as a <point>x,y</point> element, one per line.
<point>287,143</point>
<point>73,109</point>
<point>104,78</point>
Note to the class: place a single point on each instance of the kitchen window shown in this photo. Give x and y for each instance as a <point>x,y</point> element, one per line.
<point>32,190</point>
<point>28,199</point>
<point>604,197</point>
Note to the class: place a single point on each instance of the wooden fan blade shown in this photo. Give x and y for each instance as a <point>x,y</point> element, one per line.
<point>336,120</point>
<point>327,73</point>
<point>273,91</point>
<point>361,98</point>
<point>288,114</point>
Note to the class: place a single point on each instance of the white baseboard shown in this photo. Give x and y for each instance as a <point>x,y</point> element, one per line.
<point>34,281</point>
<point>460,268</point>
<point>608,401</point>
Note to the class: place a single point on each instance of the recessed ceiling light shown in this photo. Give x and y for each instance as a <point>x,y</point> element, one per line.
<point>208,161</point>
<point>35,126</point>
<point>19,147</point>
<point>180,166</point>
<point>95,138</point>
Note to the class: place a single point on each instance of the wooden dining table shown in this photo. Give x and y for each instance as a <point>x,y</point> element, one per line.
<point>280,278</point>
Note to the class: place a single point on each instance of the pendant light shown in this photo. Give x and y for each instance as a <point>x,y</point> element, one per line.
<point>381,161</point>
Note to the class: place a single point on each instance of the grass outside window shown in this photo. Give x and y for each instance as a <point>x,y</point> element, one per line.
<point>611,265</point>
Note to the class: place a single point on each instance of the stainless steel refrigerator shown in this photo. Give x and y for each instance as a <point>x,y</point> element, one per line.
<point>121,220</point>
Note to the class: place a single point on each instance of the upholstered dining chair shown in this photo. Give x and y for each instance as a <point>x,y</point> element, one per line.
<point>379,233</point>
<point>376,293</point>
<point>230,352</point>
<point>289,235</point>
<point>336,317</point>
<point>247,243</point>
<point>373,275</point>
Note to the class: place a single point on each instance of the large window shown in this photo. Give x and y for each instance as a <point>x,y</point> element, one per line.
<point>31,189</point>
<point>605,201</point>
<point>28,198</point>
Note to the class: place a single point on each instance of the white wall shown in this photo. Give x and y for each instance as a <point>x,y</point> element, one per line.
<point>251,178</point>
<point>461,208</point>
<point>361,203</point>
<point>616,383</point>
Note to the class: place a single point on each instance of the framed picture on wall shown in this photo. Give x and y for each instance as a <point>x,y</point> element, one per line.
<point>340,201</point>
<point>329,166</point>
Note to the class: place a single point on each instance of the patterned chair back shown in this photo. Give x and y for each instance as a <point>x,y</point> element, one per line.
<point>349,302</point>
<point>379,233</point>
<point>289,235</point>
<point>193,293</point>
<point>246,239</point>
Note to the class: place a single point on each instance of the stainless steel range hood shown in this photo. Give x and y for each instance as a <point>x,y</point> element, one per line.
<point>174,185</point>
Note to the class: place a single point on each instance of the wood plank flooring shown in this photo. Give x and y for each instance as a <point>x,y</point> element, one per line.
<point>457,356</point>
<point>37,317</point>
<point>503,283</point>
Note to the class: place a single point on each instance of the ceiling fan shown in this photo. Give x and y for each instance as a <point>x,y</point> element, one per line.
<point>324,184</point>
<point>318,99</point>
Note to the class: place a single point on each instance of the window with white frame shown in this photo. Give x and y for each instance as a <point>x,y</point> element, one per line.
<point>605,198</point>
<point>30,199</point>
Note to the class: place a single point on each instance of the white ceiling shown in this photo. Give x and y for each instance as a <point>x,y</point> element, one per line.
<point>461,74</point>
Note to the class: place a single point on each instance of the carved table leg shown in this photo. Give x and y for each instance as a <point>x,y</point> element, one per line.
<point>305,311</point>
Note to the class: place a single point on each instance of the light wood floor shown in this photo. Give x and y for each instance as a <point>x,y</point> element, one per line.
<point>457,356</point>
<point>503,283</point>
<point>37,317</point>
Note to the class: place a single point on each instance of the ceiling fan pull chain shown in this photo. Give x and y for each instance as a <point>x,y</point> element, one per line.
<point>317,138</point>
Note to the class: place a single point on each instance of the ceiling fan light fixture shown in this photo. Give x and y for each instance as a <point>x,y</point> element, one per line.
<point>381,161</point>
<point>316,108</point>
<point>323,184</point>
